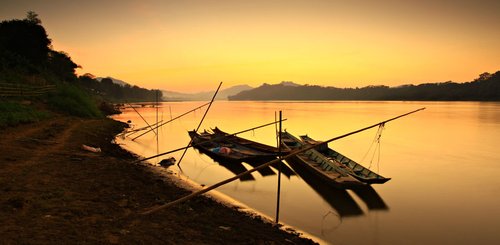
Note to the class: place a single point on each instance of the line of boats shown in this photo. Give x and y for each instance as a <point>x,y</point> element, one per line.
<point>326,164</point>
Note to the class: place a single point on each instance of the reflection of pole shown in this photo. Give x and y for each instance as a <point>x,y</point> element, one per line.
<point>279,174</point>
<point>201,121</point>
<point>157,132</point>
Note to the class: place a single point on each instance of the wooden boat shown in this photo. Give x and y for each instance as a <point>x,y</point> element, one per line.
<point>355,169</point>
<point>220,149</point>
<point>248,143</point>
<point>257,146</point>
<point>319,165</point>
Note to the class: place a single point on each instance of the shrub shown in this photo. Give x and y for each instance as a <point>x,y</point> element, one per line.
<point>73,101</point>
<point>13,113</point>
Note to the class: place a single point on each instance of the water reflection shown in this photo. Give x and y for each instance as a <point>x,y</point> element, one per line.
<point>435,148</point>
<point>338,199</point>
<point>234,167</point>
<point>370,197</point>
<point>285,170</point>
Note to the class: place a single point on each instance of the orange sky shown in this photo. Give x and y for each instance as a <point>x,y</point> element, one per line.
<point>191,45</point>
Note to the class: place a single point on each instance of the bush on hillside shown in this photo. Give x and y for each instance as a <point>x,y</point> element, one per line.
<point>14,113</point>
<point>73,101</point>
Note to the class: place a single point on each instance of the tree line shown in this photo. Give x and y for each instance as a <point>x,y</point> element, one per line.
<point>27,56</point>
<point>485,88</point>
<point>116,92</point>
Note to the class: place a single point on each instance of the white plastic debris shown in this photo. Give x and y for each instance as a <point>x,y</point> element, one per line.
<point>91,149</point>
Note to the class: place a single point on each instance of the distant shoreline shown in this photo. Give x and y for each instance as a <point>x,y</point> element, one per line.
<point>484,88</point>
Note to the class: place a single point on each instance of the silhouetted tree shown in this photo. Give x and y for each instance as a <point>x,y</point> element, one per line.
<point>25,39</point>
<point>32,17</point>
<point>62,66</point>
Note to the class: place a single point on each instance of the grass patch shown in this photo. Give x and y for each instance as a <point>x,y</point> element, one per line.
<point>13,113</point>
<point>73,101</point>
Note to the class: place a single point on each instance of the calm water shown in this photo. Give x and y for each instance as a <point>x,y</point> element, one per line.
<point>444,163</point>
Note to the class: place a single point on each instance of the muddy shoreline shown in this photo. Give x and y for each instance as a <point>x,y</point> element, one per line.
<point>53,191</point>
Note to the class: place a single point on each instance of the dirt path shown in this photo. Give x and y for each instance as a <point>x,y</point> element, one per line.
<point>54,192</point>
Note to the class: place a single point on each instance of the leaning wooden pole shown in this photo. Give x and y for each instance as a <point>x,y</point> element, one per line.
<point>217,138</point>
<point>293,153</point>
<point>141,117</point>
<point>175,118</point>
<point>134,131</point>
<point>199,125</point>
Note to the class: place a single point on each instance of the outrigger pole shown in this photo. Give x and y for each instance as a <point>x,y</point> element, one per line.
<point>173,119</point>
<point>217,138</point>
<point>201,121</point>
<point>293,153</point>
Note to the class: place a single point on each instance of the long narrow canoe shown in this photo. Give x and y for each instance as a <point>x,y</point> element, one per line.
<point>249,143</point>
<point>354,169</point>
<point>217,148</point>
<point>319,165</point>
<point>259,147</point>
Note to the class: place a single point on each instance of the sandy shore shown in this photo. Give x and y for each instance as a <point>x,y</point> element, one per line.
<point>53,191</point>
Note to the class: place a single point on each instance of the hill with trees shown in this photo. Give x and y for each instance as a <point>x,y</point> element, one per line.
<point>31,71</point>
<point>484,88</point>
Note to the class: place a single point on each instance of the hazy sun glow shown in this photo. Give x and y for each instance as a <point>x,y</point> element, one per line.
<point>191,45</point>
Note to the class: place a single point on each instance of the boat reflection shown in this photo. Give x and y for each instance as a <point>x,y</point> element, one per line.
<point>285,170</point>
<point>338,199</point>
<point>267,171</point>
<point>370,197</point>
<point>233,166</point>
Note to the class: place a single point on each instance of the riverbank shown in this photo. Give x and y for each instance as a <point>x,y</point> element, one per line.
<point>53,191</point>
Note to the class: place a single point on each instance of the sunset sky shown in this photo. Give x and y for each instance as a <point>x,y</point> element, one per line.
<point>192,45</point>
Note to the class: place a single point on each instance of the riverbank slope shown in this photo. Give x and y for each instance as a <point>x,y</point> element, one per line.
<point>53,191</point>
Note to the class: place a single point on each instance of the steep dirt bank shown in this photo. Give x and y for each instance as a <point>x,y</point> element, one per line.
<point>52,191</point>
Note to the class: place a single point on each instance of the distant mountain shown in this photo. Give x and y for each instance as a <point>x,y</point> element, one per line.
<point>115,81</point>
<point>291,84</point>
<point>222,95</point>
<point>484,88</point>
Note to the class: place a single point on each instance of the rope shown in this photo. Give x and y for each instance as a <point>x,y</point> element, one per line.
<point>378,136</point>
<point>371,145</point>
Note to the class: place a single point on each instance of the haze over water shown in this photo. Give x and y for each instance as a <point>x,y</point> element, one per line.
<point>443,161</point>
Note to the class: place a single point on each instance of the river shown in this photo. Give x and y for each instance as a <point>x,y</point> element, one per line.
<point>444,163</point>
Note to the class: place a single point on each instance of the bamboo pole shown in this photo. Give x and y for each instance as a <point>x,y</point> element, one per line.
<point>175,118</point>
<point>293,153</point>
<point>201,121</point>
<point>134,131</point>
<point>203,142</point>
<point>279,174</point>
<point>140,116</point>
